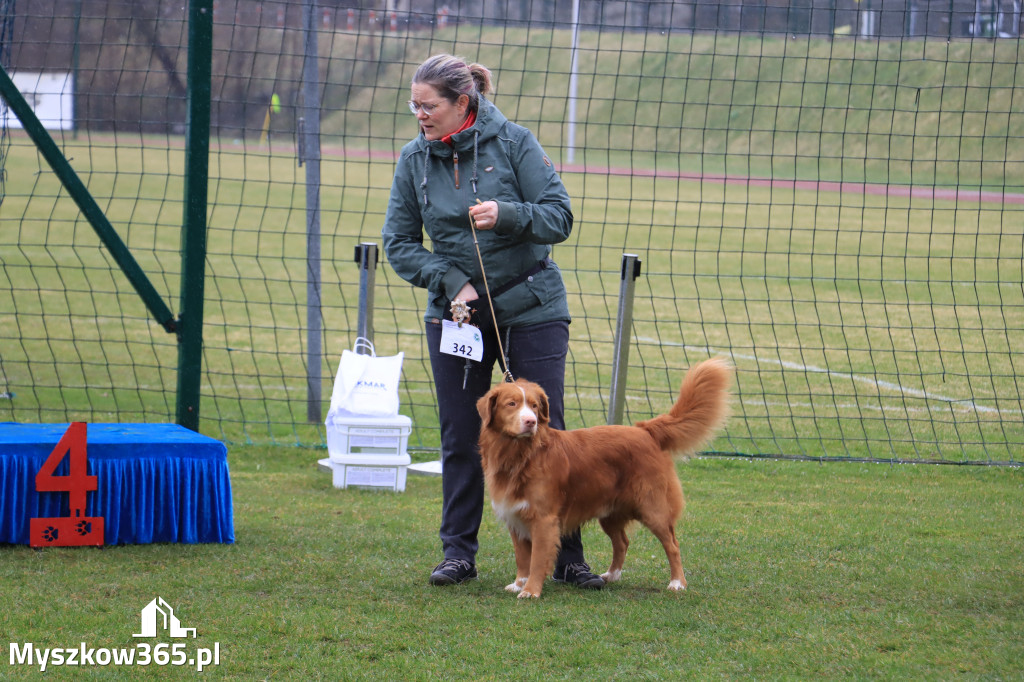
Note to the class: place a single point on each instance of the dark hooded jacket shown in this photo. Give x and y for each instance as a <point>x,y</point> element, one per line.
<point>434,186</point>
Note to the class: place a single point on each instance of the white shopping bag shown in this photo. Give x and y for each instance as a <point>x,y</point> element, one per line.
<point>366,385</point>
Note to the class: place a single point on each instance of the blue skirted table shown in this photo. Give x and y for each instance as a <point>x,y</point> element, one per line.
<point>154,483</point>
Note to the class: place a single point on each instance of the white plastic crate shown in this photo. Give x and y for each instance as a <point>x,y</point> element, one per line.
<point>382,472</point>
<point>349,437</point>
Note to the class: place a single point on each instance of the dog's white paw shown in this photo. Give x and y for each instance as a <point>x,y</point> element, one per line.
<point>676,586</point>
<point>516,586</point>
<point>612,576</point>
<point>528,595</point>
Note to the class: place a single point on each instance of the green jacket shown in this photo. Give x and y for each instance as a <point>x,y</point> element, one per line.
<point>434,186</point>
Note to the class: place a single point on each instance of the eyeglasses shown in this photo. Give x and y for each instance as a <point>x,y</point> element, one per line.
<point>427,109</point>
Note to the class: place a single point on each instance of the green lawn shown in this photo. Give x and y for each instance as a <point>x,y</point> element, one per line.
<point>795,570</point>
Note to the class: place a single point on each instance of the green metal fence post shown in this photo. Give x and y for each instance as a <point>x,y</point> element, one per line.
<point>193,239</point>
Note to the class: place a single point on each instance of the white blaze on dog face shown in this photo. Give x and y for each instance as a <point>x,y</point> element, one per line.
<point>527,417</point>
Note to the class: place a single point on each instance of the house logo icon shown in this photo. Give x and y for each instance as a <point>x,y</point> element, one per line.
<point>159,616</point>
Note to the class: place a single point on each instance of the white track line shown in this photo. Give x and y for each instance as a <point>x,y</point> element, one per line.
<point>878,383</point>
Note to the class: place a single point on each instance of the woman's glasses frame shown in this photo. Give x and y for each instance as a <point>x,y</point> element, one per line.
<point>427,109</point>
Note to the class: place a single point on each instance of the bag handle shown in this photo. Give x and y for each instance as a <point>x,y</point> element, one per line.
<point>364,343</point>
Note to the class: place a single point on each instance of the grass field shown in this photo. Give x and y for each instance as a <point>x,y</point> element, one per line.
<point>796,571</point>
<point>863,325</point>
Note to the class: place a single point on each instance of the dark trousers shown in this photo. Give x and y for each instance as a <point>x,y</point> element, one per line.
<point>536,353</point>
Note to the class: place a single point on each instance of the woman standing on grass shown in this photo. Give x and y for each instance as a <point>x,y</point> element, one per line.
<point>469,162</point>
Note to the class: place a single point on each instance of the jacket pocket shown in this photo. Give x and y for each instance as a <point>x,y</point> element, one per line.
<point>542,293</point>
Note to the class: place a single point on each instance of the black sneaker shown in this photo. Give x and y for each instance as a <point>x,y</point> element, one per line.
<point>578,575</point>
<point>452,572</point>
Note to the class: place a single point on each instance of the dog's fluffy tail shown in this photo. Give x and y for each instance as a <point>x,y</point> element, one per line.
<point>702,408</point>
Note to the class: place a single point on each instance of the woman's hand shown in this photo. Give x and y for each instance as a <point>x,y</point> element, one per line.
<point>467,293</point>
<point>485,215</point>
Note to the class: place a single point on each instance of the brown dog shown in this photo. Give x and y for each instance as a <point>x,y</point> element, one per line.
<point>545,483</point>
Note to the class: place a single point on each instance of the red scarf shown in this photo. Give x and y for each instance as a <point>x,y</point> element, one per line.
<point>470,120</point>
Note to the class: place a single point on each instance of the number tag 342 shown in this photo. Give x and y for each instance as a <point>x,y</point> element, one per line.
<point>465,341</point>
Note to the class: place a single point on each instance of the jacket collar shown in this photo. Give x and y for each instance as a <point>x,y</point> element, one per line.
<point>470,120</point>
<point>489,121</point>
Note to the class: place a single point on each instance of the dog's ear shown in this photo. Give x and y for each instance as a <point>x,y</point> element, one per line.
<point>485,406</point>
<point>542,400</point>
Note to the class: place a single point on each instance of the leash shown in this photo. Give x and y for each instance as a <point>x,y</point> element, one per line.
<point>464,308</point>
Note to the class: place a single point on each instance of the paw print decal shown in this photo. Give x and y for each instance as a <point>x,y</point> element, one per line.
<point>66,531</point>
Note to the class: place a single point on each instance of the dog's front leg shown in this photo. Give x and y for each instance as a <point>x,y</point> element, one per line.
<point>544,535</point>
<point>523,549</point>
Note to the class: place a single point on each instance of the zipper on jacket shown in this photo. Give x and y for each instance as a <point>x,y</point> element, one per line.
<point>455,161</point>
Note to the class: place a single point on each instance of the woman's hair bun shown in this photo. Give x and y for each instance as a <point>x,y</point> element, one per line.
<point>482,77</point>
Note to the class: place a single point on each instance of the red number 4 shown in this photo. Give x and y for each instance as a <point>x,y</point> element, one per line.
<point>77,529</point>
